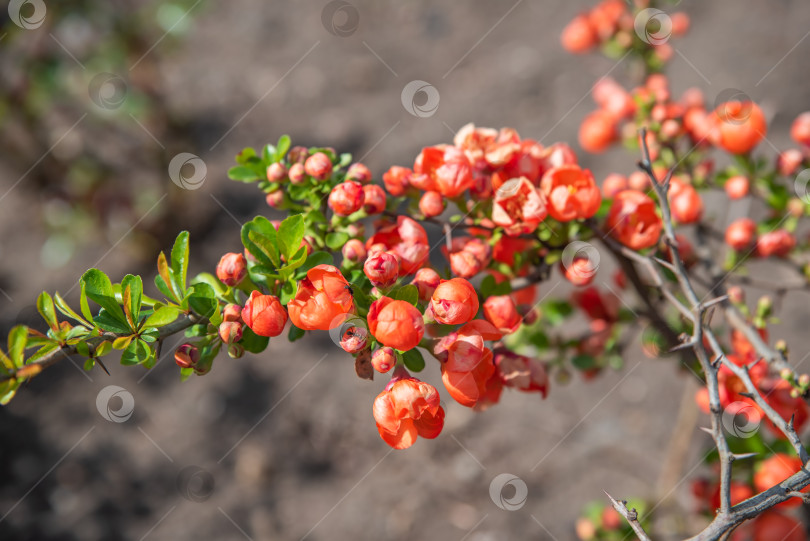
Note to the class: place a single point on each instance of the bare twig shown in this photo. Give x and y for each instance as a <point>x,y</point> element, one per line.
<point>631,515</point>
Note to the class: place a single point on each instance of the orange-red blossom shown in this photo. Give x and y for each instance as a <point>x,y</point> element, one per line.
<point>395,323</point>
<point>322,296</point>
<point>406,409</point>
<point>466,363</point>
<point>632,220</point>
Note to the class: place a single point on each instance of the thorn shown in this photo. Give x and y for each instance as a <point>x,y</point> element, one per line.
<point>101,364</point>
<point>712,302</point>
<point>743,456</point>
<point>746,395</point>
<point>685,345</point>
<point>707,430</point>
<point>664,263</point>
<point>790,423</point>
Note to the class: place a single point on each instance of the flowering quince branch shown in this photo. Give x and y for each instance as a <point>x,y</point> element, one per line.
<point>631,515</point>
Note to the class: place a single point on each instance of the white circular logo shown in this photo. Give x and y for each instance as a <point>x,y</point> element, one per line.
<point>124,412</point>
<point>340,18</point>
<point>800,185</point>
<point>428,102</point>
<point>195,484</point>
<point>741,419</point>
<point>514,502</point>
<point>107,90</point>
<point>178,171</point>
<point>653,26</point>
<point>581,250</point>
<point>28,14</point>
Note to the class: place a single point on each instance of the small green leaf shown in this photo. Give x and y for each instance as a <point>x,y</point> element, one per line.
<point>252,342</point>
<point>486,287</point>
<point>247,154</point>
<point>99,289</point>
<point>163,280</point>
<point>66,310</point>
<point>282,147</point>
<point>288,290</point>
<point>7,391</point>
<point>408,293</point>
<point>83,349</point>
<point>103,349</point>
<point>16,344</point>
<point>203,300</point>
<point>111,324</point>
<point>269,154</point>
<point>243,173</point>
<point>211,280</point>
<point>180,262</point>
<point>89,364</point>
<point>83,306</point>
<point>135,285</point>
<point>335,241</point>
<point>314,259</point>
<point>136,352</point>
<point>162,316</point>
<point>583,362</point>
<point>41,352</point>
<point>259,237</point>
<point>413,360</point>
<point>295,333</point>
<point>290,235</point>
<point>46,310</point>
<point>122,342</point>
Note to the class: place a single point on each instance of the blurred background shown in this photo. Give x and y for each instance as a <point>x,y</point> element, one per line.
<point>98,98</point>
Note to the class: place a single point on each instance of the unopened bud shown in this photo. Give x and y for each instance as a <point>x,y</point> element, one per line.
<point>276,172</point>
<point>235,351</point>
<point>782,347</point>
<point>232,269</point>
<point>186,356</point>
<point>230,331</point>
<point>354,339</point>
<point>530,314</point>
<point>354,251</point>
<point>786,374</point>
<point>296,174</point>
<point>275,199</point>
<point>794,393</point>
<point>298,154</point>
<point>232,312</point>
<point>318,166</point>
<point>804,380</point>
<point>736,295</point>
<point>795,207</point>
<point>383,360</point>
<point>764,306</point>
<point>358,173</point>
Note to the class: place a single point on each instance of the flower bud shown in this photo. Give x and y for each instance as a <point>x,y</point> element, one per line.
<point>354,339</point>
<point>232,312</point>
<point>502,313</point>
<point>613,184</point>
<point>358,173</point>
<point>381,269</point>
<point>354,251</point>
<point>788,161</point>
<point>356,230</point>
<point>580,272</point>
<point>298,154</point>
<point>346,198</point>
<point>373,199</point>
<point>230,331</point>
<point>454,302</point>
<point>786,374</point>
<point>800,129</point>
<point>639,181</point>
<point>236,351</point>
<point>264,314</point>
<point>232,269</point>
<point>186,356</point>
<point>764,306</point>
<point>737,187</point>
<point>781,346</point>
<point>431,204</point>
<point>426,281</point>
<point>276,172</point>
<point>740,233</point>
<point>795,207</point>
<point>777,243</point>
<point>383,360</point>
<point>530,314</point>
<point>804,380</point>
<point>318,166</point>
<point>297,174</point>
<point>275,199</point>
<point>736,295</point>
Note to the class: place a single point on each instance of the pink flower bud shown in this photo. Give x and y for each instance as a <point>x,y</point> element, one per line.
<point>426,281</point>
<point>431,204</point>
<point>232,269</point>
<point>298,154</point>
<point>382,269</point>
<point>373,199</point>
<point>275,199</point>
<point>356,229</point>
<point>354,340</point>
<point>788,161</point>
<point>359,173</point>
<point>383,360</point>
<point>297,174</point>
<point>186,356</point>
<point>318,166</point>
<point>737,187</point>
<point>354,251</point>
<point>276,172</point>
<point>232,312</point>
<point>236,351</point>
<point>230,331</point>
<point>346,198</point>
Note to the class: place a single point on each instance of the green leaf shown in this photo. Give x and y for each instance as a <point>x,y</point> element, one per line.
<point>122,342</point>
<point>162,316</point>
<point>288,290</point>
<point>111,324</point>
<point>84,307</point>
<point>243,173</point>
<point>335,241</point>
<point>180,262</point>
<point>164,281</point>
<point>314,259</point>
<point>135,285</point>
<point>252,342</point>
<point>103,349</point>
<point>583,362</point>
<point>66,310</point>
<point>295,333</point>
<point>137,352</point>
<point>486,287</point>
<point>41,352</point>
<point>413,360</point>
<point>282,147</point>
<point>556,311</point>
<point>408,293</point>
<point>211,280</point>
<point>99,289</point>
<point>16,344</point>
<point>186,373</point>
<point>503,288</point>
<point>46,310</point>
<point>269,154</point>
<point>259,237</point>
<point>290,235</point>
<point>7,391</point>
<point>203,300</point>
<point>294,262</point>
<point>247,154</point>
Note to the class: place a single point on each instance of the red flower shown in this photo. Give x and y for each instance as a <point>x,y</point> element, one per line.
<point>447,170</point>
<point>684,201</point>
<point>347,198</point>
<point>468,256</point>
<point>354,340</point>
<point>571,193</point>
<point>632,220</point>
<point>264,314</point>
<point>737,187</point>
<point>232,269</point>
<point>431,204</point>
<point>466,363</point>
<point>396,323</point>
<point>596,305</point>
<point>771,525</point>
<point>579,36</point>
<point>354,251</point>
<point>502,313</point>
<point>740,233</point>
<point>373,199</point>
<point>518,207</point>
<point>597,132</point>
<point>322,297</point>
<point>407,240</point>
<point>408,408</point>
<point>738,126</point>
<point>396,180</point>
<point>777,243</point>
<point>613,184</point>
<point>454,302</point>
<point>773,471</point>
